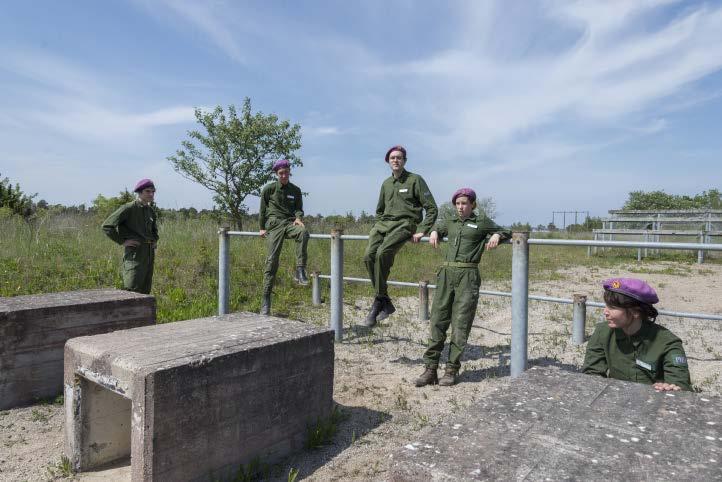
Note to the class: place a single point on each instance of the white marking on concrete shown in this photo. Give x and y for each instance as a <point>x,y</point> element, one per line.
<point>609,435</point>
<point>708,437</point>
<point>635,439</point>
<point>410,447</point>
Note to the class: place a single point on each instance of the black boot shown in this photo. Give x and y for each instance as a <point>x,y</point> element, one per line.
<point>373,313</point>
<point>387,308</point>
<point>266,304</point>
<point>429,377</point>
<point>449,377</point>
<point>300,276</point>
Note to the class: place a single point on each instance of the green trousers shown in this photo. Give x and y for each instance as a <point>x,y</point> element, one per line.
<point>138,268</point>
<point>274,238</point>
<point>455,301</point>
<point>385,240</point>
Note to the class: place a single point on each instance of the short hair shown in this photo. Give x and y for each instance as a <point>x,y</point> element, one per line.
<point>620,300</point>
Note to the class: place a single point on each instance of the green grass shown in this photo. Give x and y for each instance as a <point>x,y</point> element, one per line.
<point>70,252</point>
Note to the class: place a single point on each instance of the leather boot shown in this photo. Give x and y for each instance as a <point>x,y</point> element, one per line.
<point>373,313</point>
<point>387,308</point>
<point>300,276</point>
<point>266,304</point>
<point>429,377</point>
<point>449,377</point>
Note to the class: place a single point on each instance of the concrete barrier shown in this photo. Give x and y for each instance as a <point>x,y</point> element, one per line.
<point>34,329</point>
<point>558,425</point>
<point>193,400</point>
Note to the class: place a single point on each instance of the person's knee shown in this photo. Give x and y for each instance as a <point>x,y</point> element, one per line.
<point>369,257</point>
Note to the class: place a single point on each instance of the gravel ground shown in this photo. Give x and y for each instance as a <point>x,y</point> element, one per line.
<point>382,410</point>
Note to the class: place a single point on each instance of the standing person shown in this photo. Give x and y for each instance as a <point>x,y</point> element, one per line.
<point>280,217</point>
<point>403,197</point>
<point>134,226</point>
<point>457,285</point>
<point>630,345</point>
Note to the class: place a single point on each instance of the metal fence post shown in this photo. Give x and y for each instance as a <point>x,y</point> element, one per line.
<point>337,283</point>
<point>579,319</point>
<point>315,289</point>
<point>223,270</point>
<point>519,302</point>
<point>423,300</point>
<point>700,253</point>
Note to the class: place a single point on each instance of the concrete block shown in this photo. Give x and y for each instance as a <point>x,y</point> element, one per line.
<point>195,399</point>
<point>34,329</point>
<point>557,425</point>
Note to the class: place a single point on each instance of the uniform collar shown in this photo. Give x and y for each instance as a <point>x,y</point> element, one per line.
<point>471,218</point>
<point>402,177</point>
<point>281,186</point>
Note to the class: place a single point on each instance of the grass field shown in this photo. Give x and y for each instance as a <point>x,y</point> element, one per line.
<point>70,252</point>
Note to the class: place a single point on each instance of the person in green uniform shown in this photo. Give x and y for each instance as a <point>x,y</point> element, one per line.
<point>134,226</point>
<point>281,217</point>
<point>399,219</point>
<point>457,285</point>
<point>630,345</point>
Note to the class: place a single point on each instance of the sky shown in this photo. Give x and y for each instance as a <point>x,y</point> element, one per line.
<point>540,105</point>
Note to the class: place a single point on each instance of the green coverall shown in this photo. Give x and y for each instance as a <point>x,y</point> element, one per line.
<point>653,354</point>
<point>457,285</point>
<point>280,206</point>
<point>136,221</point>
<point>398,213</point>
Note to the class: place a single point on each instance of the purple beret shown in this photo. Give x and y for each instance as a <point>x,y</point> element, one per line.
<point>395,148</point>
<point>142,184</point>
<point>634,288</point>
<point>464,191</point>
<point>281,164</point>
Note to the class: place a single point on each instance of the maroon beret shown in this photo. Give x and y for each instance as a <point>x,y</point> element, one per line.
<point>395,148</point>
<point>281,164</point>
<point>632,287</point>
<point>464,191</point>
<point>142,184</point>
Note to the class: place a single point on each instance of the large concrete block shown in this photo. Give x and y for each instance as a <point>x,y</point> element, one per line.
<point>195,399</point>
<point>557,425</point>
<point>34,329</point>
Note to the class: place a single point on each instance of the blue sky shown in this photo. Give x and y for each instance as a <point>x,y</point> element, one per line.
<point>543,106</point>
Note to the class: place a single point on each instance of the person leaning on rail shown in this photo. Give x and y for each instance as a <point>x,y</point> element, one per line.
<point>457,284</point>
<point>280,217</point>
<point>134,226</point>
<point>403,197</point>
<point>630,345</point>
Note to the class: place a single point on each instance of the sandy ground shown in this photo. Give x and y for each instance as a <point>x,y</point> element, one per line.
<point>375,370</point>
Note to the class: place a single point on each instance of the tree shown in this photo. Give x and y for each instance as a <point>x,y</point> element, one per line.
<point>484,205</point>
<point>660,200</point>
<point>14,199</point>
<point>233,157</point>
<point>104,206</point>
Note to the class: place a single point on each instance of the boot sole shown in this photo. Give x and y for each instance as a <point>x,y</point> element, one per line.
<point>435,382</point>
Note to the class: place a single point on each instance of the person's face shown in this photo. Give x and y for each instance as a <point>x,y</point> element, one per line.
<point>147,195</point>
<point>397,161</point>
<point>619,317</point>
<point>283,175</point>
<point>464,207</point>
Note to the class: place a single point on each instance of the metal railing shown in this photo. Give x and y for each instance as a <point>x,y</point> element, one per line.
<point>519,294</point>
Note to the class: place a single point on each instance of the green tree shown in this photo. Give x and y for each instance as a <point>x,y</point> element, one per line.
<point>660,200</point>
<point>104,206</point>
<point>233,156</point>
<point>13,199</point>
<point>484,205</point>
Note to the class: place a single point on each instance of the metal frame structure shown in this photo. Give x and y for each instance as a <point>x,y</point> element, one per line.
<point>519,293</point>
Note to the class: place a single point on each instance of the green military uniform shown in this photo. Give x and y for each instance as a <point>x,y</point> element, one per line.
<point>653,354</point>
<point>457,285</point>
<point>280,206</point>
<point>398,214</point>
<point>137,221</point>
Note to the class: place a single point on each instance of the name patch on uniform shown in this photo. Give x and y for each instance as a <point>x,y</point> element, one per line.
<point>290,196</point>
<point>643,364</point>
<point>680,360</point>
<point>472,225</point>
<point>403,190</point>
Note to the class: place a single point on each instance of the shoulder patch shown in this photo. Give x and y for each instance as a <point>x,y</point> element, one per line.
<point>680,360</point>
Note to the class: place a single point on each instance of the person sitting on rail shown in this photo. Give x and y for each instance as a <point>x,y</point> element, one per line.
<point>457,284</point>
<point>630,345</point>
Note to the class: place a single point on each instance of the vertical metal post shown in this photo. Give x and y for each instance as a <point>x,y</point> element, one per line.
<point>223,269</point>
<point>519,301</point>
<point>315,289</point>
<point>423,300</point>
<point>579,319</point>
<point>700,253</point>
<point>646,239</point>
<point>336,297</point>
<point>596,237</point>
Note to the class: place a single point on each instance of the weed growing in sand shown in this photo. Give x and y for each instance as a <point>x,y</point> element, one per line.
<point>39,416</point>
<point>62,468</point>
<point>324,430</point>
<point>401,401</point>
<point>292,475</point>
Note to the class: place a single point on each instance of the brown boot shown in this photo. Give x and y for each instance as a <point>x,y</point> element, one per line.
<point>449,377</point>
<point>429,377</point>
